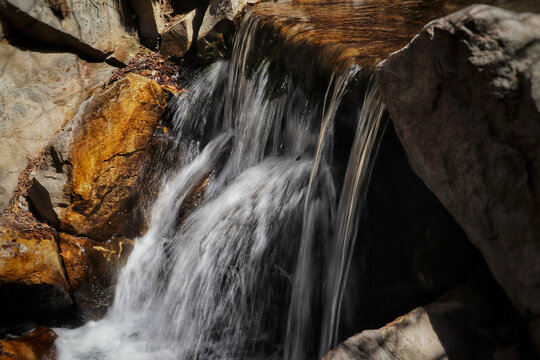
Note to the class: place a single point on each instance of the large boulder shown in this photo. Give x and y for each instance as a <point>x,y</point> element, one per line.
<point>92,268</point>
<point>32,278</point>
<point>464,97</point>
<point>36,345</point>
<point>92,170</point>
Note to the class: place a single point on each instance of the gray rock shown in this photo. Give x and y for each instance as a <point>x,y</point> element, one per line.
<point>200,25</point>
<point>150,21</point>
<point>221,10</point>
<point>460,325</point>
<point>176,40</point>
<point>464,97</point>
<point>39,93</point>
<point>94,28</point>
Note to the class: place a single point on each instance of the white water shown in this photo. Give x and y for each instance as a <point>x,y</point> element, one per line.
<point>239,276</point>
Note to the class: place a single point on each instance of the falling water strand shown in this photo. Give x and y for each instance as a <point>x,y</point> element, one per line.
<point>351,201</point>
<point>319,203</point>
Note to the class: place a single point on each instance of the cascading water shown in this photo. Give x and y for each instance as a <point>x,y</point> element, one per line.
<point>235,274</point>
<point>351,201</point>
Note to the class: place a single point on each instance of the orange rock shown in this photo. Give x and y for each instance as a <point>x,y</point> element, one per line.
<point>101,156</point>
<point>36,345</point>
<point>31,274</point>
<point>92,268</point>
<point>31,258</point>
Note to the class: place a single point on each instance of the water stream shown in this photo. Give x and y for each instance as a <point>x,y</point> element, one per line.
<point>248,245</point>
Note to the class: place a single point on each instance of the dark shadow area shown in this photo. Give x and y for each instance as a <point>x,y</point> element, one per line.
<point>409,251</point>
<point>146,22</point>
<point>185,6</point>
<point>484,325</point>
<point>41,205</point>
<point>26,306</point>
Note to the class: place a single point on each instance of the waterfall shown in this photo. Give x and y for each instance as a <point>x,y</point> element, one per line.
<point>351,201</point>
<point>239,236</point>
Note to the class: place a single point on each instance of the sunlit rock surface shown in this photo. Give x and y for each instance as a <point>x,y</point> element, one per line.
<point>92,169</point>
<point>39,92</point>
<point>36,345</point>
<point>95,31</point>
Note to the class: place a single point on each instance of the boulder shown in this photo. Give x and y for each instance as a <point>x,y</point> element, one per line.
<point>39,92</point>
<point>92,169</point>
<point>176,39</point>
<point>460,325</point>
<point>92,268</point>
<point>32,279</point>
<point>150,21</point>
<point>464,97</point>
<point>36,345</point>
<point>220,12</point>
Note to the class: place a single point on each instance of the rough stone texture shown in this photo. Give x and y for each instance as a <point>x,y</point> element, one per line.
<point>220,11</point>
<point>92,268</point>
<point>36,345</point>
<point>201,27</point>
<point>32,277</point>
<point>176,40</point>
<point>39,93</point>
<point>460,325</point>
<point>91,170</point>
<point>464,96</point>
<point>90,28</point>
<point>150,19</point>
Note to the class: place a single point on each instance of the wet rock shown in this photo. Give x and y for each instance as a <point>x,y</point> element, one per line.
<point>464,97</point>
<point>32,279</point>
<point>92,268</point>
<point>36,345</point>
<point>92,169</point>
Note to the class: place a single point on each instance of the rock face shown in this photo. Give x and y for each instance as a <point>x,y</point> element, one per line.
<point>52,54</point>
<point>91,170</point>
<point>36,345</point>
<point>464,97</point>
<point>39,93</point>
<point>176,40</point>
<point>94,31</point>
<point>92,268</point>
<point>32,278</point>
